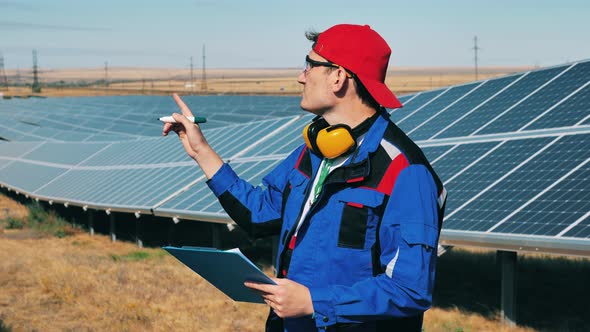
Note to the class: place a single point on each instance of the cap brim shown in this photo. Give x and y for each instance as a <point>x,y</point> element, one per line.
<point>381,93</point>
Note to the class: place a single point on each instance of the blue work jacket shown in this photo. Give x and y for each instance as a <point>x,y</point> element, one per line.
<point>367,248</point>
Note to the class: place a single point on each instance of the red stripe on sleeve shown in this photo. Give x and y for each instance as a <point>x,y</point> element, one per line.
<point>388,181</point>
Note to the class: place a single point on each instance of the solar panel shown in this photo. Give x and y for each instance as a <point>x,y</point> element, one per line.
<point>448,115</point>
<point>555,209</point>
<point>450,96</point>
<point>558,88</point>
<point>459,157</point>
<point>283,140</point>
<point>432,153</point>
<point>501,103</point>
<point>71,153</point>
<point>571,112</point>
<point>28,177</point>
<point>416,103</point>
<point>494,204</point>
<point>494,161</point>
<point>199,199</point>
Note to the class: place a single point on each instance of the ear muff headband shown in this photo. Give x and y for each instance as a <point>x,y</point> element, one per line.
<point>328,141</point>
<point>311,131</point>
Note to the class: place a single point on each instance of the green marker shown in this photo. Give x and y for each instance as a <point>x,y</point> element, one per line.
<point>169,119</point>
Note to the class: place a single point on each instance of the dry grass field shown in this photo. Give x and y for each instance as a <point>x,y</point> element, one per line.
<point>83,283</point>
<point>88,283</point>
<point>124,81</point>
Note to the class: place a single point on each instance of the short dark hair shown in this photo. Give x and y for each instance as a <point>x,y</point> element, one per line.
<point>361,91</point>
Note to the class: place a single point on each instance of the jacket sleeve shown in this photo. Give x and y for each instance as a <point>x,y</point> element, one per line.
<point>408,239</point>
<point>258,210</point>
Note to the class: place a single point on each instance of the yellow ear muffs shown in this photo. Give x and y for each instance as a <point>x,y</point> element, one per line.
<point>328,141</point>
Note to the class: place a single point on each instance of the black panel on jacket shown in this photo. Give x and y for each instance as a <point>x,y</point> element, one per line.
<point>243,217</point>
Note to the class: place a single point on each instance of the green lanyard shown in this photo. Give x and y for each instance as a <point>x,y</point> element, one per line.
<point>324,171</point>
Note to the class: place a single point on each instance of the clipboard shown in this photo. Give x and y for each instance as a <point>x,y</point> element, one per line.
<point>227,270</point>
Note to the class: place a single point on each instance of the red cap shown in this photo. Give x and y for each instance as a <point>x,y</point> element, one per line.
<point>364,52</point>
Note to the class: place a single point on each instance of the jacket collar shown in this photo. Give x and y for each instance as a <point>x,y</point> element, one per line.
<point>357,167</point>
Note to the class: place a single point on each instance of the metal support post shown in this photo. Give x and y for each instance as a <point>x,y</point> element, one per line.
<point>91,222</point>
<point>507,261</point>
<point>215,235</point>
<point>138,240</point>
<point>112,227</point>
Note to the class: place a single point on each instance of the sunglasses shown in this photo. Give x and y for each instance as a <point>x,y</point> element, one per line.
<point>311,63</point>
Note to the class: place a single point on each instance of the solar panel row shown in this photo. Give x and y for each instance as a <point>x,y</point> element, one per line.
<point>512,151</point>
<point>125,118</point>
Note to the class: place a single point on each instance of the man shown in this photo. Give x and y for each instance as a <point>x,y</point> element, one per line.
<point>358,208</point>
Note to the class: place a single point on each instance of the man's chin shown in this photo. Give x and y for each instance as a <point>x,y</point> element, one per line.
<point>303,107</point>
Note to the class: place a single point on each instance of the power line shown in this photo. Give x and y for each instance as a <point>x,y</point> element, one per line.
<point>475,50</point>
<point>192,77</point>
<point>204,75</point>
<point>106,74</point>
<point>36,87</point>
<point>3,79</point>
<point>17,76</point>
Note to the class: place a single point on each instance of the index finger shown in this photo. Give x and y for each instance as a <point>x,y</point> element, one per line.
<point>185,110</point>
<point>265,288</point>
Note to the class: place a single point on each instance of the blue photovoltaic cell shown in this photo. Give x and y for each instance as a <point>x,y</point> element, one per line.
<point>234,118</point>
<point>409,123</point>
<point>10,134</point>
<point>106,137</point>
<point>75,185</point>
<point>433,152</point>
<point>28,177</point>
<point>404,99</point>
<point>581,230</point>
<point>50,133</point>
<point>436,124</point>
<point>555,210</point>
<point>459,157</point>
<point>551,94</point>
<point>17,149</point>
<point>4,163</point>
<point>473,180</point>
<point>242,137</point>
<point>522,185</point>
<point>146,151</point>
<point>420,100</point>
<point>569,113</point>
<point>64,153</point>
<point>141,187</point>
<point>500,103</point>
<point>136,115</point>
<point>283,142</point>
<point>184,200</point>
<point>199,197</point>
<point>23,127</point>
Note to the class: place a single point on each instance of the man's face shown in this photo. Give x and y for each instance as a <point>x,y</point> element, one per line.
<point>316,97</point>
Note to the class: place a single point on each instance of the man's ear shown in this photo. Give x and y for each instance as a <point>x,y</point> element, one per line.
<point>339,80</point>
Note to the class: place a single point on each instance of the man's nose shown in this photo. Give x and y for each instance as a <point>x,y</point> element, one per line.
<point>301,78</point>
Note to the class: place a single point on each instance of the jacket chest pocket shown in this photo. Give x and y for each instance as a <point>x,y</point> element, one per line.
<point>359,219</point>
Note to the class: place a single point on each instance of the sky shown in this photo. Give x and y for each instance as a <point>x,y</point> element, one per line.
<point>270,34</point>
